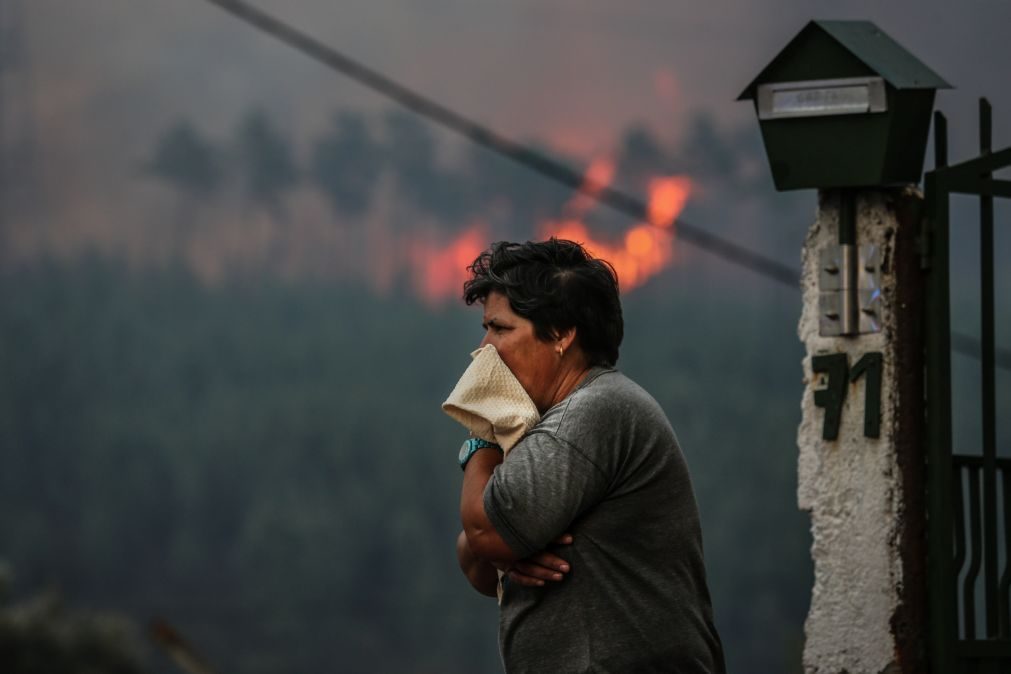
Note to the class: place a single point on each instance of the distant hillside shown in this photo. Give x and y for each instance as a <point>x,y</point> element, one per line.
<point>266,465</point>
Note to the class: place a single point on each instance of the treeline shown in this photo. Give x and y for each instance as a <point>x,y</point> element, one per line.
<point>350,161</point>
<point>265,466</point>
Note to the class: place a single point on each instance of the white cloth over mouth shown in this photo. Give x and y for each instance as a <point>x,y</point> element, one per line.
<point>490,402</point>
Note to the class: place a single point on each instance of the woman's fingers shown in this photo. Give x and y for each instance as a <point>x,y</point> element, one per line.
<point>549,561</point>
<point>519,574</point>
<point>541,568</point>
<point>538,569</point>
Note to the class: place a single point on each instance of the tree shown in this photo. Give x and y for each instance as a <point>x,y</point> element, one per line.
<point>347,163</point>
<point>187,161</point>
<point>266,161</point>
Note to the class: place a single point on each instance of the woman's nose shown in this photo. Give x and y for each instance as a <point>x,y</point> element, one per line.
<point>484,342</point>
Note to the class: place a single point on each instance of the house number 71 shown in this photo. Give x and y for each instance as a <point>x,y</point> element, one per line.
<point>836,368</point>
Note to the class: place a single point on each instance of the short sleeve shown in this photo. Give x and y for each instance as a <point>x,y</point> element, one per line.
<point>541,488</point>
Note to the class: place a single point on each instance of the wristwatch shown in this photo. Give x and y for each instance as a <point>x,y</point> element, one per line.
<point>470,446</point>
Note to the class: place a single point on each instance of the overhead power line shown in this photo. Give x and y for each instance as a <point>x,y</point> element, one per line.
<point>521,154</point>
<point>546,166</point>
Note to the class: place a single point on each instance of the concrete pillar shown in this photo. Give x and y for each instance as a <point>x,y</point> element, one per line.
<point>866,494</point>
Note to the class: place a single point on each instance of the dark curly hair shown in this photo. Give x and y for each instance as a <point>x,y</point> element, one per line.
<point>556,285</point>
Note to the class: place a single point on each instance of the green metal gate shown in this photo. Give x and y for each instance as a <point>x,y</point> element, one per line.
<point>967,496</point>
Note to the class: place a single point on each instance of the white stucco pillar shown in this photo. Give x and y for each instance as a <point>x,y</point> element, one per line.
<point>865,494</point>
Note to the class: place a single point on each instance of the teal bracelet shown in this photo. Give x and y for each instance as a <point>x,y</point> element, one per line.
<point>470,447</point>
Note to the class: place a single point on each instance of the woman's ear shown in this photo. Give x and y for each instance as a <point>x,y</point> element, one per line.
<point>566,338</point>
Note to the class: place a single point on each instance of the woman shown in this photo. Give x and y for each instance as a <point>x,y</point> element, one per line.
<point>592,515</point>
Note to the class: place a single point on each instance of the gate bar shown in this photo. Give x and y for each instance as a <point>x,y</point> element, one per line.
<point>1005,581</point>
<point>988,379</point>
<point>943,620</point>
<point>976,556</point>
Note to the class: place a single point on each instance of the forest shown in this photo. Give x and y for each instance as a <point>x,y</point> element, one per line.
<point>257,458</point>
<point>267,468</point>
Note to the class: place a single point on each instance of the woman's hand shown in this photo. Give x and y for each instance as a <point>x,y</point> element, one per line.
<point>539,568</point>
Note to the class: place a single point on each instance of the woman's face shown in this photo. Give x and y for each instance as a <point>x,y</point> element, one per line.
<point>535,363</point>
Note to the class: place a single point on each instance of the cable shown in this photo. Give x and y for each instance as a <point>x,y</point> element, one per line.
<point>535,161</point>
<point>546,166</point>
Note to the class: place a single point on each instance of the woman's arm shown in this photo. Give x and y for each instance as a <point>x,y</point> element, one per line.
<point>482,538</point>
<point>481,574</point>
<point>532,572</point>
<point>480,547</point>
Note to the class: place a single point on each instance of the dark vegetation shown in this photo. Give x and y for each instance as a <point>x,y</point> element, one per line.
<point>264,464</point>
<point>42,636</point>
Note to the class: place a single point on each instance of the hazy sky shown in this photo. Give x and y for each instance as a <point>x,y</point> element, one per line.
<point>576,72</point>
<point>100,80</point>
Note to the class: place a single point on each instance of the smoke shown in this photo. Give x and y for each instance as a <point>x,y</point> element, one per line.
<point>417,220</point>
<point>228,154</point>
<point>378,199</point>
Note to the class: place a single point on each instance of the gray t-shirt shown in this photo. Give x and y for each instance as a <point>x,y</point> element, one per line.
<point>605,466</point>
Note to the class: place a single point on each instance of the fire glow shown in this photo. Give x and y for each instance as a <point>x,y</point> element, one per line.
<point>646,248</point>
<point>440,271</point>
<point>642,252</point>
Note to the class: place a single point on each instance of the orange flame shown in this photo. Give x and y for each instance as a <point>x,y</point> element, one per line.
<point>440,271</point>
<point>598,175</point>
<point>646,248</point>
<point>644,251</point>
<point>667,198</point>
